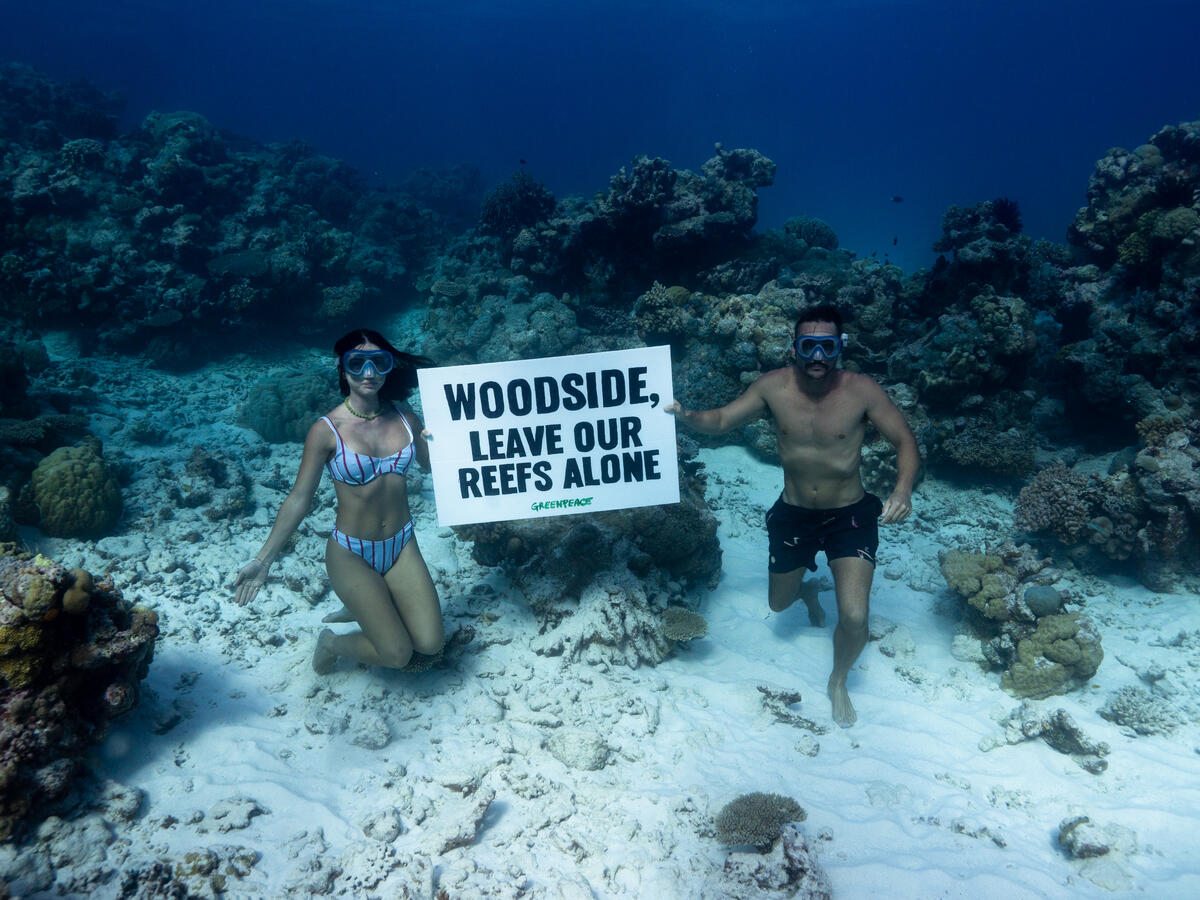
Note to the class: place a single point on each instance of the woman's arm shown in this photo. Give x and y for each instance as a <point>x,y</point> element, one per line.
<point>253,575</point>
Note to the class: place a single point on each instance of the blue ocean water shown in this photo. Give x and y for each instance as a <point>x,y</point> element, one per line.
<point>860,101</point>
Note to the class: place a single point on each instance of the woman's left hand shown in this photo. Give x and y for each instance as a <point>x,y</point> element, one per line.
<point>251,577</point>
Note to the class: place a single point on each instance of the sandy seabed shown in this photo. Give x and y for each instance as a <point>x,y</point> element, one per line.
<point>505,773</point>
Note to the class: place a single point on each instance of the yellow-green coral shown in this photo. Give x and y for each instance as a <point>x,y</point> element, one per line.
<point>1064,650</point>
<point>22,653</point>
<point>982,580</point>
<point>76,493</point>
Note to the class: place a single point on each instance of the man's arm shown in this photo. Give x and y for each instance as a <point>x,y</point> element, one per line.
<point>732,415</point>
<point>885,416</point>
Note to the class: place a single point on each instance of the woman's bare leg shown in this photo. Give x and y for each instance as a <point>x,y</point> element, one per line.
<point>416,600</point>
<point>384,639</point>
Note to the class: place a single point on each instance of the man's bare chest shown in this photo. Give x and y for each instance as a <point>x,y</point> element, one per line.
<point>825,424</point>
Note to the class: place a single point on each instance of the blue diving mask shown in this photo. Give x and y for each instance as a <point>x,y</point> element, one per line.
<point>355,362</point>
<point>827,345</point>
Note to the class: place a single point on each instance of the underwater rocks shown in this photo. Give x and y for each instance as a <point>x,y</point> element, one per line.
<point>72,652</point>
<point>1057,729</point>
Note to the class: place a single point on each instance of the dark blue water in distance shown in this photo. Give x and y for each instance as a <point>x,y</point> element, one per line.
<point>937,102</point>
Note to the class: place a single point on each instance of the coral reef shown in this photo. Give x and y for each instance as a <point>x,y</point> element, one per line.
<point>177,230</point>
<point>499,327</point>
<point>72,652</point>
<point>625,568</point>
<point>755,819</point>
<point>1146,513</point>
<point>518,203</point>
<point>789,870</point>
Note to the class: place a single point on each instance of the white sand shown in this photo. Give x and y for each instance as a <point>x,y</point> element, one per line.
<point>356,784</point>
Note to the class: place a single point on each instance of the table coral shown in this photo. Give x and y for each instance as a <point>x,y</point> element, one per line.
<point>66,670</point>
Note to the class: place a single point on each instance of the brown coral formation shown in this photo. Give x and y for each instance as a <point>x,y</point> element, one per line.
<point>1040,651</point>
<point>1147,513</point>
<point>72,651</point>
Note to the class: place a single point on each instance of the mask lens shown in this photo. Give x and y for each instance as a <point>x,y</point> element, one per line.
<point>807,347</point>
<point>355,361</point>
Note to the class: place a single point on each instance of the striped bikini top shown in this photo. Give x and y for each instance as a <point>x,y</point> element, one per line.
<point>349,467</point>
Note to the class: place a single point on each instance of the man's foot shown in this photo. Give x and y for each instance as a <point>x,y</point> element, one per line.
<point>339,615</point>
<point>324,659</point>
<point>808,593</point>
<point>843,709</point>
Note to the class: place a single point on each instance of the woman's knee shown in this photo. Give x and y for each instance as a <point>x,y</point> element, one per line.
<point>395,655</point>
<point>429,644</point>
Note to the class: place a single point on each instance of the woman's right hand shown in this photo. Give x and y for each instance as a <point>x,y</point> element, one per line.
<point>250,578</point>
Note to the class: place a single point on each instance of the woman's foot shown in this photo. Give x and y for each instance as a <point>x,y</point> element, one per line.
<point>339,615</point>
<point>324,659</point>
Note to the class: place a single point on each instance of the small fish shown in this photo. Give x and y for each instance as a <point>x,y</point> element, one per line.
<point>521,161</point>
<point>896,198</point>
<point>895,239</point>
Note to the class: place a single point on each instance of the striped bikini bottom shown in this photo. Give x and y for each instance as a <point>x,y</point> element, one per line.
<point>379,555</point>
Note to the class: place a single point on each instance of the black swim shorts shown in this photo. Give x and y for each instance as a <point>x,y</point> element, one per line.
<point>796,534</point>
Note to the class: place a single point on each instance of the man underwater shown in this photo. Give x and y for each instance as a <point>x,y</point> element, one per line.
<point>821,415</point>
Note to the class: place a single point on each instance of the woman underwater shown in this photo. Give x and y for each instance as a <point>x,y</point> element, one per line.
<point>372,558</point>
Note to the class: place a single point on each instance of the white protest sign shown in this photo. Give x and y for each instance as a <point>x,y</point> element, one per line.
<point>548,437</point>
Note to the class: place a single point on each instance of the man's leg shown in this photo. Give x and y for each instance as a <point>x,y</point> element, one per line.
<point>852,578</point>
<point>783,588</point>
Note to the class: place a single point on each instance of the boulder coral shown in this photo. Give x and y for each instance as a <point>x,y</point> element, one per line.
<point>284,407</point>
<point>1061,654</point>
<point>72,652</point>
<point>76,492</point>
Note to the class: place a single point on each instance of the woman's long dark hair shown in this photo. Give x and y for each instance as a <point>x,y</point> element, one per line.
<point>399,382</point>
